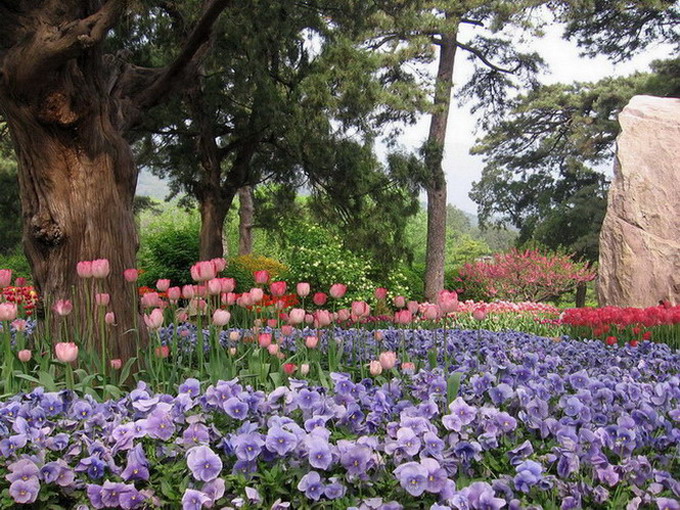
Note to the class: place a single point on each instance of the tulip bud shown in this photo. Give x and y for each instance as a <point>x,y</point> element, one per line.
<point>311,342</point>
<point>109,318</point>
<point>5,278</point>
<point>24,355</point>
<point>264,339</point>
<point>261,277</point>
<point>256,294</point>
<point>227,284</point>
<point>381,293</point>
<point>303,289</point>
<point>221,317</point>
<point>100,268</point>
<point>319,299</point>
<point>232,351</point>
<point>214,286</point>
<point>174,293</point>
<point>375,368</point>
<point>387,359</point>
<point>84,269</point>
<point>289,368</point>
<point>102,299</point>
<point>131,275</point>
<point>296,316</point>
<point>273,349</point>
<point>234,336</point>
<point>304,368</point>
<point>66,352</point>
<point>163,284</point>
<point>63,307</point>
<point>162,351</point>
<point>399,301</point>
<point>479,314</point>
<point>116,364</point>
<point>338,290</point>
<point>8,311</point>
<point>286,330</point>
<point>188,291</point>
<point>277,289</point>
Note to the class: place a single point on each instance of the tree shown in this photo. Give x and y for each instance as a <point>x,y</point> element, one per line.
<point>270,102</point>
<point>499,67</point>
<point>543,161</point>
<point>69,106</point>
<point>10,209</point>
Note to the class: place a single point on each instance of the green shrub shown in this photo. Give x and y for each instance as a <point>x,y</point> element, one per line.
<point>168,247</point>
<point>17,262</point>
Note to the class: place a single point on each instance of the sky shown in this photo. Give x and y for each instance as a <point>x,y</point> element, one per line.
<point>564,65</point>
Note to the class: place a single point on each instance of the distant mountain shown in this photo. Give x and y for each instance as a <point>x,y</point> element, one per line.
<point>148,185</point>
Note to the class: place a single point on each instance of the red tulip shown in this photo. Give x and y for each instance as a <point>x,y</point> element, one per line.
<point>277,289</point>
<point>319,299</point>
<point>289,368</point>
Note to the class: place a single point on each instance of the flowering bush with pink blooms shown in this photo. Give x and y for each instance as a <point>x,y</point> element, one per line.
<point>526,275</point>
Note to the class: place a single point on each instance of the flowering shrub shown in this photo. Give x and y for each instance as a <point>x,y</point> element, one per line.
<point>524,276</point>
<point>242,268</point>
<point>523,421</point>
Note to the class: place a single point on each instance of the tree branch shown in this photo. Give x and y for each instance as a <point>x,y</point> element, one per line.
<point>485,60</point>
<point>52,46</point>
<point>164,80</point>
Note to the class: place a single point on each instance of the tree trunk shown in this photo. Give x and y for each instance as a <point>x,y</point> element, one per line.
<point>77,181</point>
<point>581,290</point>
<point>246,213</point>
<point>436,185</point>
<point>214,208</point>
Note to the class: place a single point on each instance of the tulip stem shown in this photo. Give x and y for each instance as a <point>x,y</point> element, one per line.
<point>69,376</point>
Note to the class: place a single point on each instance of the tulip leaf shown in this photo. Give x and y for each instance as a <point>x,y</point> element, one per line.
<point>452,386</point>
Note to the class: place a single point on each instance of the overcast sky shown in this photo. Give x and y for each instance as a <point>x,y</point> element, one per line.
<point>565,65</point>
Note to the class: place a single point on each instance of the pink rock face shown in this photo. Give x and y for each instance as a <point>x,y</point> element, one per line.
<point>640,237</point>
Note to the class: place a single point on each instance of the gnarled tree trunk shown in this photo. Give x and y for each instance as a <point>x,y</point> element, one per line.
<point>436,184</point>
<point>214,206</point>
<point>67,106</point>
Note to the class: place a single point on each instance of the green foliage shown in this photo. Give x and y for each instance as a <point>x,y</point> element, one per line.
<point>168,246</point>
<point>17,262</point>
<point>10,205</point>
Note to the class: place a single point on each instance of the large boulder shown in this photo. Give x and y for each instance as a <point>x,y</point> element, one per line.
<point>640,237</point>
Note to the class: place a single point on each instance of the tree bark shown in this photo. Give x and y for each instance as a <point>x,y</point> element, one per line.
<point>580,297</point>
<point>246,214</point>
<point>67,106</point>
<point>214,207</point>
<point>436,184</point>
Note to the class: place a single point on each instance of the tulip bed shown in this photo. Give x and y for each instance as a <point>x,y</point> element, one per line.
<point>523,422</point>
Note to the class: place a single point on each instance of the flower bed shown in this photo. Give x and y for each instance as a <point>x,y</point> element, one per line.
<point>528,421</point>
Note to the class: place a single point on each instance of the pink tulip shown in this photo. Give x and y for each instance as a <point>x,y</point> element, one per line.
<point>261,277</point>
<point>296,316</point>
<point>221,317</point>
<point>100,268</point>
<point>319,299</point>
<point>289,368</point>
<point>304,368</point>
<point>322,318</point>
<point>375,368</point>
<point>5,278</point>
<point>8,311</point>
<point>201,290</point>
<point>431,312</point>
<point>479,314</point>
<point>203,271</point>
<point>387,360</point>
<point>303,289</point>
<point>343,315</point>
<point>102,299</point>
<point>162,351</point>
<point>448,301</point>
<point>234,336</point>
<point>381,293</point>
<point>229,298</point>
<point>110,318</point>
<point>360,308</point>
<point>273,349</point>
<point>277,289</point>
<point>311,342</point>
<point>67,352</point>
<point>214,286</point>
<point>227,284</point>
<point>24,355</point>
<point>20,281</point>
<point>63,307</point>
<point>151,300</point>
<point>256,294</point>
<point>272,323</point>
<point>219,263</point>
<point>174,293</point>
<point>131,275</point>
<point>116,364</point>
<point>286,330</point>
<point>408,367</point>
<point>309,318</point>
<point>403,317</point>
<point>163,284</point>
<point>154,320</point>
<point>264,339</point>
<point>84,268</point>
<point>399,301</point>
<point>338,290</point>
<point>413,307</point>
<point>19,324</point>
<point>188,291</point>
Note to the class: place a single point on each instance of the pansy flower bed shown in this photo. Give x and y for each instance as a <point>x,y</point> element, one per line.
<point>532,423</point>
